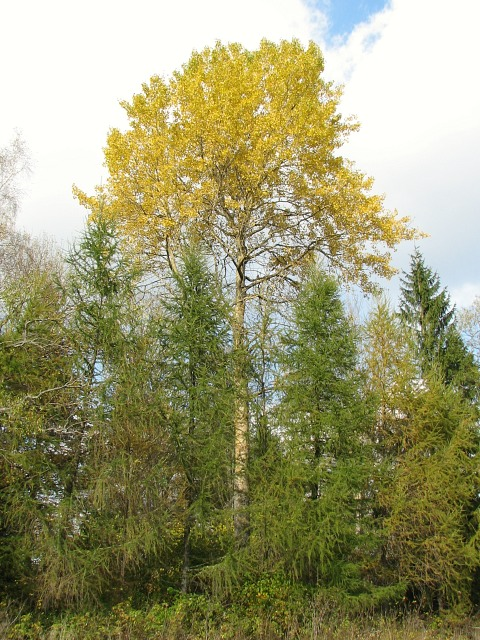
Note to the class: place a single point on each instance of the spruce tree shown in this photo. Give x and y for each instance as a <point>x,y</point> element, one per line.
<point>425,308</point>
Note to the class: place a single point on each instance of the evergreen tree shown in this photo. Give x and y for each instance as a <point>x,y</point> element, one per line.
<point>425,308</point>
<point>459,366</point>
<point>427,311</point>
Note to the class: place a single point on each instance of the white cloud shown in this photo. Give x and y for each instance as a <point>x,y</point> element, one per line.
<point>414,71</point>
<point>411,78</point>
<point>465,295</point>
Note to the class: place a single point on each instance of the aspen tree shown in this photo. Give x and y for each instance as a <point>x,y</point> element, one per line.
<point>242,148</point>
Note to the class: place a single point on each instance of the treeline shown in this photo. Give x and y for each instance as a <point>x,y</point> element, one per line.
<point>117,435</point>
<point>191,423</point>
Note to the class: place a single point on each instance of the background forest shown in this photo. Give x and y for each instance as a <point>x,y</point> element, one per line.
<point>196,435</point>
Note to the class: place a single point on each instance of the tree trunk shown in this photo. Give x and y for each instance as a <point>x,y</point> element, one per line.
<point>241,414</point>
<point>187,528</point>
<point>190,494</point>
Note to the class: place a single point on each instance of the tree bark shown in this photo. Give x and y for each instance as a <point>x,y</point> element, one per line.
<point>241,412</point>
<point>187,529</point>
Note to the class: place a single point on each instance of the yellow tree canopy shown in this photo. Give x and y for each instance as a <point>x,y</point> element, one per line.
<point>242,148</point>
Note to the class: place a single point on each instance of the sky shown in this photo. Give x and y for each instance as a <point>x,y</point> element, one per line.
<point>409,70</point>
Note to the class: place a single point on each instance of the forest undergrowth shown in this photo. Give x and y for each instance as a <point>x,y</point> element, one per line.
<point>197,618</point>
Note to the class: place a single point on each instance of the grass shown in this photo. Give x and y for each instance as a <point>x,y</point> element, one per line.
<point>203,621</point>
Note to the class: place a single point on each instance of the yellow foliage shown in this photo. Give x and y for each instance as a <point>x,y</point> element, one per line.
<point>241,147</point>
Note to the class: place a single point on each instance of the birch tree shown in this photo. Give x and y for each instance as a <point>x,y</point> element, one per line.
<point>14,163</point>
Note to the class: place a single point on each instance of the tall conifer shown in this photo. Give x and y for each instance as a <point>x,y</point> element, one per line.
<point>426,309</point>
<point>198,390</point>
<point>307,514</point>
<point>123,449</point>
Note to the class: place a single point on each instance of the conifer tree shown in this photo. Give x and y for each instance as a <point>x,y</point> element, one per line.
<point>37,429</point>
<point>427,311</point>
<point>426,455</point>
<point>391,369</point>
<point>312,526</point>
<point>431,497</point>
<point>123,448</point>
<point>197,383</point>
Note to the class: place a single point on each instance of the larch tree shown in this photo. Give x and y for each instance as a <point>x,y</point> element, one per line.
<point>308,502</point>
<point>390,368</point>
<point>241,148</point>
<point>431,498</point>
<point>323,417</point>
<point>197,366</point>
<point>37,433</point>
<point>121,448</point>
<point>426,447</point>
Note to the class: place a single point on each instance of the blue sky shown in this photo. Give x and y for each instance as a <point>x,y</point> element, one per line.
<point>409,70</point>
<point>344,15</point>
